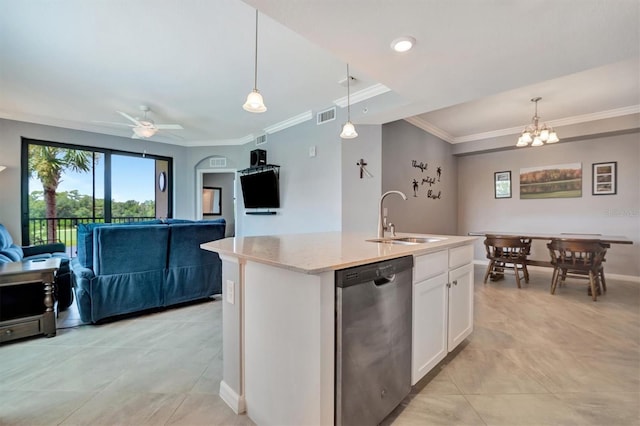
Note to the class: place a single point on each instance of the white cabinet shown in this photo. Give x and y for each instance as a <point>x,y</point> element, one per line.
<point>442,306</point>
<point>460,315</point>
<point>429,343</point>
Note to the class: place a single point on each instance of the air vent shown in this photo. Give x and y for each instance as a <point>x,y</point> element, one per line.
<point>327,115</point>
<point>262,139</point>
<point>218,162</point>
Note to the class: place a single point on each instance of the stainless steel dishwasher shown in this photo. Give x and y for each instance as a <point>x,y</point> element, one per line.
<point>373,340</point>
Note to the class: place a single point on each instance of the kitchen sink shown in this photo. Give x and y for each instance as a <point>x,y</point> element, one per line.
<point>406,240</point>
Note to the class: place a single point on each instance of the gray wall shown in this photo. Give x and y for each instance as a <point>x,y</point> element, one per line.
<point>401,144</point>
<point>225,181</point>
<point>10,142</point>
<point>360,196</point>
<point>606,214</point>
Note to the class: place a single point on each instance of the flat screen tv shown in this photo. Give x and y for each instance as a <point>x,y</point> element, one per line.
<point>260,190</point>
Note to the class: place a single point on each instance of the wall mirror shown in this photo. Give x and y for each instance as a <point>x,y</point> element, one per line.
<point>211,201</point>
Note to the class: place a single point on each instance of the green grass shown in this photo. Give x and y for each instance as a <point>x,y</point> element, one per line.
<point>66,235</point>
<point>558,194</point>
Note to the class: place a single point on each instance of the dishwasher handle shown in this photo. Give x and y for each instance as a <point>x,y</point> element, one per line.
<point>384,280</point>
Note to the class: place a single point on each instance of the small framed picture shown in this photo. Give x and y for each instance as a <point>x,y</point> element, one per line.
<point>604,178</point>
<point>502,184</point>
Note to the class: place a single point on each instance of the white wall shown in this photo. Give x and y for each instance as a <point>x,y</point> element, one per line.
<point>11,133</point>
<point>310,187</point>
<point>606,214</point>
<point>401,144</point>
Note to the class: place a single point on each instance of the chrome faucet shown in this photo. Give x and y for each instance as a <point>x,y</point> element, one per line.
<point>382,219</point>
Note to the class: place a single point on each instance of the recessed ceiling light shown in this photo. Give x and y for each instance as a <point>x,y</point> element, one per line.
<point>402,44</point>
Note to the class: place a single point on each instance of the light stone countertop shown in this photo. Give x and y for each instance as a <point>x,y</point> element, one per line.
<point>320,252</point>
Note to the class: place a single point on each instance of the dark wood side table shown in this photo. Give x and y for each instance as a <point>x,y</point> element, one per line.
<point>17,273</point>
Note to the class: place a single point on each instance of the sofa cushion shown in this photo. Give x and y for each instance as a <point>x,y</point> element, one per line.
<point>85,238</point>
<point>130,249</point>
<point>5,238</point>
<point>7,247</point>
<point>85,242</point>
<point>14,253</point>
<point>185,240</point>
<point>193,273</point>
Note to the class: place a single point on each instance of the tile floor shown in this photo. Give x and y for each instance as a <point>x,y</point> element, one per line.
<point>533,359</point>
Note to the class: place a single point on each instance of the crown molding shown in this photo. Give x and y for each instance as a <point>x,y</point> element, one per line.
<point>428,127</point>
<point>289,122</point>
<point>300,118</point>
<point>363,95</point>
<point>219,142</point>
<point>578,119</point>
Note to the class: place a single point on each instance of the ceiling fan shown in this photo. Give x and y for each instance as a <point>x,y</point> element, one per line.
<point>145,127</point>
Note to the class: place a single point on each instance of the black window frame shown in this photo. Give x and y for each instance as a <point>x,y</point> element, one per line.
<point>107,153</point>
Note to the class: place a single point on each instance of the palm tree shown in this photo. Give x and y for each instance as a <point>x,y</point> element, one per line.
<point>47,163</point>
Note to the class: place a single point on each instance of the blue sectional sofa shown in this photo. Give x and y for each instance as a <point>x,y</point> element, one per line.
<point>126,268</point>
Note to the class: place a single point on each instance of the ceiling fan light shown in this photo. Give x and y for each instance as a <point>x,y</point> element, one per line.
<point>144,132</point>
<point>348,131</point>
<point>254,103</point>
<point>553,138</point>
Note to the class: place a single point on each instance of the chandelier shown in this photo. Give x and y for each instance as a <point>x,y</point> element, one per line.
<point>534,134</point>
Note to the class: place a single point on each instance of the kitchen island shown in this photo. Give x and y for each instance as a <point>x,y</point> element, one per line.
<point>279,315</point>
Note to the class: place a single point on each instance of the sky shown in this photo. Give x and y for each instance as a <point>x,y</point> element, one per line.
<point>133,178</point>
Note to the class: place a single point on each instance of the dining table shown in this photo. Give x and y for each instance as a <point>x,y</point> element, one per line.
<point>605,239</point>
<point>608,239</point>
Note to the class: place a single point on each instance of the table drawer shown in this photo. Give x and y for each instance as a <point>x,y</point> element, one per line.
<point>19,329</point>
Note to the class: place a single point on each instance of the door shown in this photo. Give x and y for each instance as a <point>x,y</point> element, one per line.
<point>218,198</point>
<point>430,299</point>
<point>460,305</point>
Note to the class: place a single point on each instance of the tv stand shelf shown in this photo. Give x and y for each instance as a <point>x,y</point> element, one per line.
<point>263,168</point>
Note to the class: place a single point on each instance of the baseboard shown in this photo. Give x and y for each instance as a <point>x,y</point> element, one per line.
<point>233,400</point>
<point>630,278</point>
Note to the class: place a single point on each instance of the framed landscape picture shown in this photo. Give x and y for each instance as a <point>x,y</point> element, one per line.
<point>604,180</point>
<point>556,181</point>
<point>502,184</point>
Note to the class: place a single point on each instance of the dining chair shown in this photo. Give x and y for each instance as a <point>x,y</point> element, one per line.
<point>507,252</point>
<point>578,259</point>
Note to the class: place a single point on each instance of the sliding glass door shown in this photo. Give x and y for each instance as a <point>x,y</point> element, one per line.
<point>64,185</point>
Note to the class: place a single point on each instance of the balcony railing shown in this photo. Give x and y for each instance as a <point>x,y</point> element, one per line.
<point>64,229</point>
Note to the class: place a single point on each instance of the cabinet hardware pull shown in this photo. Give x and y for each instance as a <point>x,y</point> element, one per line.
<point>455,282</point>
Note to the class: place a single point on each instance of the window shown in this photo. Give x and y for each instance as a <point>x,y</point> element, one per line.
<point>63,185</point>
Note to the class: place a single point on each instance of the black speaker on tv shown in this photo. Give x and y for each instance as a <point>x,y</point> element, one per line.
<point>258,157</point>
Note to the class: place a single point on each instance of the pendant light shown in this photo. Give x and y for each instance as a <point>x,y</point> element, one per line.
<point>348,130</point>
<point>255,103</point>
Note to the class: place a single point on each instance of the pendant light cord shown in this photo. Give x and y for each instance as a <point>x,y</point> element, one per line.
<point>255,76</point>
<point>348,95</point>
